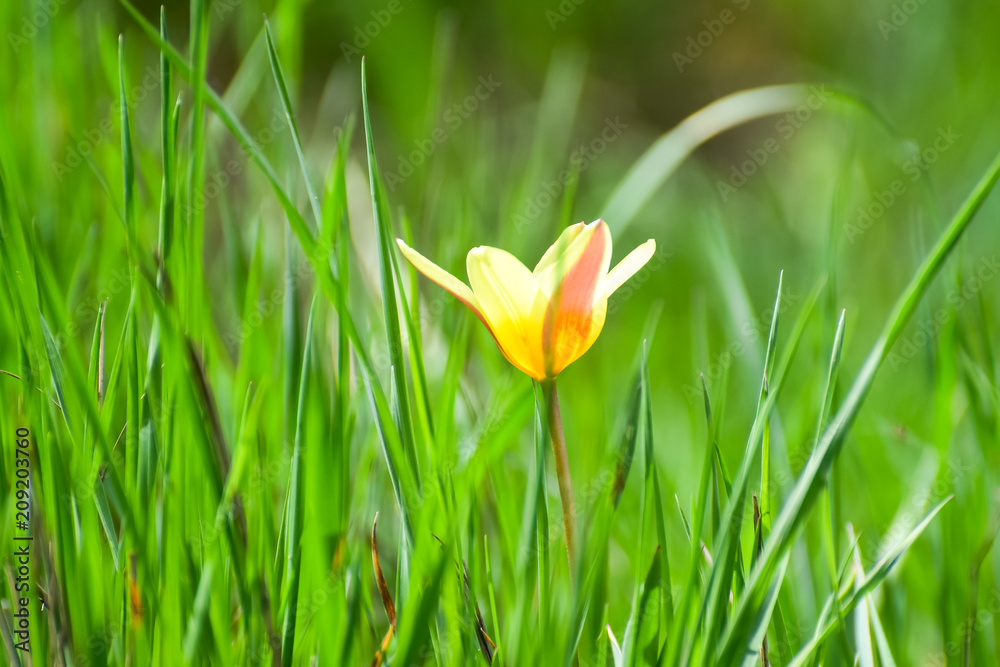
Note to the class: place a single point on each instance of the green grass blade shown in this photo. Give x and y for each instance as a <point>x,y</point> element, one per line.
<point>829,541</point>
<point>661,159</point>
<point>296,505</point>
<point>168,132</point>
<point>726,544</point>
<point>392,451</point>
<point>215,103</point>
<point>646,644</point>
<point>128,165</point>
<point>805,492</point>
<point>196,629</point>
<point>865,656</point>
<point>884,652</point>
<point>56,366</point>
<point>871,580</point>
<point>493,600</point>
<point>335,190</point>
<point>286,103</point>
<point>676,640</point>
<point>544,571</point>
<point>414,626</point>
<point>390,306</point>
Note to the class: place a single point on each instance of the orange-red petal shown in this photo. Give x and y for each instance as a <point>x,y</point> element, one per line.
<point>577,307</point>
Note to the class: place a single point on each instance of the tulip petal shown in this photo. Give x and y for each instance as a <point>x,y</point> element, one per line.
<point>562,255</point>
<point>456,287</point>
<point>449,282</point>
<point>597,315</point>
<point>512,304</point>
<point>558,248</point>
<point>576,313</point>
<point>626,268</point>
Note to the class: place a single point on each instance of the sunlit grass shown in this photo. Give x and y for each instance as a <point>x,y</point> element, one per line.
<point>783,446</point>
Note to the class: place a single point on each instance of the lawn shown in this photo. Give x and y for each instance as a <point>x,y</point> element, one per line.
<point>578,333</point>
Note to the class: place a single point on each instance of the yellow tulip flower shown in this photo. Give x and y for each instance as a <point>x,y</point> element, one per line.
<point>542,320</point>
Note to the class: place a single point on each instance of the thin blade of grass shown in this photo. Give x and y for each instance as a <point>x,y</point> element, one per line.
<point>390,306</point>
<point>727,543</point>
<point>662,158</point>
<point>286,103</point>
<point>296,505</point>
<point>865,656</point>
<point>199,617</point>
<point>128,165</point>
<point>168,133</point>
<point>328,278</point>
<point>872,579</point>
<point>676,640</point>
<point>805,491</point>
<point>493,600</point>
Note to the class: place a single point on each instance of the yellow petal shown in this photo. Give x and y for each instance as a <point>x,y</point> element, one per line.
<point>570,324</point>
<point>557,249</point>
<point>456,287</point>
<point>512,304</point>
<point>562,255</point>
<point>626,268</point>
<point>439,275</point>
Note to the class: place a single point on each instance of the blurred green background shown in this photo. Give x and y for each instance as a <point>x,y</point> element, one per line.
<point>477,110</point>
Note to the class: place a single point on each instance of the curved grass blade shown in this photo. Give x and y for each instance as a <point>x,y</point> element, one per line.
<point>805,491</point>
<point>667,153</point>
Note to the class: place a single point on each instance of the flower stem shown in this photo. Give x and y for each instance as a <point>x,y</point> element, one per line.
<point>562,464</point>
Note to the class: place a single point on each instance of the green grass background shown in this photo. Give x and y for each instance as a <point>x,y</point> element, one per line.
<point>227,371</point>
